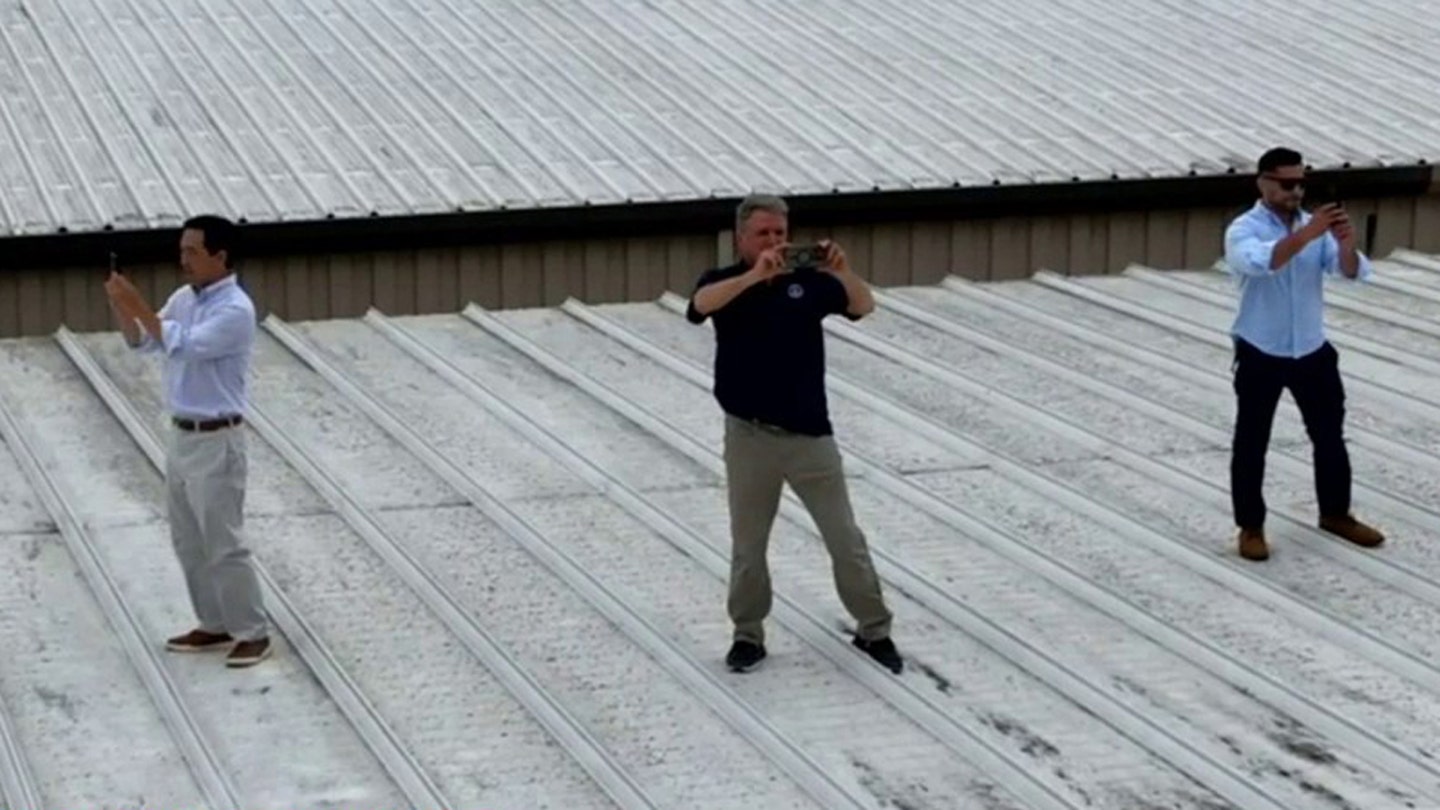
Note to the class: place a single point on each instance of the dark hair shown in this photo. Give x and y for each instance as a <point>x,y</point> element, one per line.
<point>220,234</point>
<point>1278,157</point>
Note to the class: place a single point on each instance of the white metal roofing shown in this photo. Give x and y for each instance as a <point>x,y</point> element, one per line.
<point>495,548</point>
<point>136,113</point>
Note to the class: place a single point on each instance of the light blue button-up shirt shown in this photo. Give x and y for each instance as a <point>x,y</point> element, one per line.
<point>1282,312</point>
<point>208,341</point>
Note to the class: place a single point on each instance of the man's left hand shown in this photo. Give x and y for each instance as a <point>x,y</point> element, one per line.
<point>1345,235</point>
<point>121,291</point>
<point>131,304</point>
<point>835,259</point>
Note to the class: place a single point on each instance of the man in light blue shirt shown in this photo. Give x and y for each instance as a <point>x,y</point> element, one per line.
<point>205,333</point>
<point>1281,256</point>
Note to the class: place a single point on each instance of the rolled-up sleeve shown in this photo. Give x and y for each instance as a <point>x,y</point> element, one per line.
<point>147,343</point>
<point>692,314</point>
<point>1246,251</point>
<point>221,333</point>
<point>1332,261</point>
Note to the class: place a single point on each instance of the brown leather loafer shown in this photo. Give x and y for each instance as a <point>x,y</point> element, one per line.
<point>198,641</point>
<point>1253,546</point>
<point>248,653</point>
<point>1352,530</point>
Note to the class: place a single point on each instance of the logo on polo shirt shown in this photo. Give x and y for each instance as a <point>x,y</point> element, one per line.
<point>796,291</point>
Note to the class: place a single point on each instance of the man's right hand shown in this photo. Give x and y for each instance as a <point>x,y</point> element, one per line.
<point>769,264</point>
<point>1324,218</point>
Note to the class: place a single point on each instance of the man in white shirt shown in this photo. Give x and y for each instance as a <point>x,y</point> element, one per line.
<point>1282,255</point>
<point>206,334</point>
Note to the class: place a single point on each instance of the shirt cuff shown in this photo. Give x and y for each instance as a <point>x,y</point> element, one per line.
<point>1363,273</point>
<point>1253,259</point>
<point>172,336</point>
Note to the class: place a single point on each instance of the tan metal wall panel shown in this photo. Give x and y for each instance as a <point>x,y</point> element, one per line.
<point>891,254</point>
<point>1050,244</point>
<point>646,273</point>
<point>10,305</point>
<point>1010,249</point>
<point>84,296</point>
<point>970,250</point>
<point>31,300</point>
<point>931,259</point>
<point>1165,240</point>
<point>611,270</point>
<point>1205,235</point>
<point>296,286</point>
<point>522,269</point>
<point>1394,225</point>
<point>318,303</point>
<point>689,256</point>
<point>1361,212</point>
<point>1089,252</point>
<point>1125,241</point>
<point>277,286</point>
<point>562,265</point>
<point>395,284</point>
<point>858,242</point>
<point>431,268</point>
<point>1427,223</point>
<point>253,277</point>
<point>605,271</point>
<point>724,247</point>
<point>478,272</point>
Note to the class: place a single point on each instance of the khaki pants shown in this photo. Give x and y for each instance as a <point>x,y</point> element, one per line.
<point>205,473</point>
<point>759,460</point>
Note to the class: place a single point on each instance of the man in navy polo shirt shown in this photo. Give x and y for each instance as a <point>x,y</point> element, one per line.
<point>770,382</point>
<point>1281,255</point>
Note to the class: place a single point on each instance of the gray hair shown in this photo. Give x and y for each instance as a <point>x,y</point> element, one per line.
<point>758,202</point>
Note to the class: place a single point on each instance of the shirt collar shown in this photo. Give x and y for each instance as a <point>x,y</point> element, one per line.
<point>1262,210</point>
<point>214,287</point>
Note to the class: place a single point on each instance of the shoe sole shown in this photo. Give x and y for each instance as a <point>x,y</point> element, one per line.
<point>748,668</point>
<point>239,663</point>
<point>187,648</point>
<point>1358,543</point>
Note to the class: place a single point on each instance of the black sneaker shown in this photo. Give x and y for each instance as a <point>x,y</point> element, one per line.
<point>745,656</point>
<point>883,651</point>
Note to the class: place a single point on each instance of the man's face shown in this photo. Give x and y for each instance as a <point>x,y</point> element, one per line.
<point>198,265</point>
<point>760,232</point>
<point>1283,188</point>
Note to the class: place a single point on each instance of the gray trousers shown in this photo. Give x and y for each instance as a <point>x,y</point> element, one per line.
<point>759,461</point>
<point>205,474</point>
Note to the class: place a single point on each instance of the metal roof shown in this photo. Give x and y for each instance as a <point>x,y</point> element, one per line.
<point>135,113</point>
<point>495,548</point>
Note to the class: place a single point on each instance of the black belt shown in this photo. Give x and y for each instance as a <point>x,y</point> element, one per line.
<point>207,425</point>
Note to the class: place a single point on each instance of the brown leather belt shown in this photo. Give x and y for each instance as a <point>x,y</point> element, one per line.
<point>207,425</point>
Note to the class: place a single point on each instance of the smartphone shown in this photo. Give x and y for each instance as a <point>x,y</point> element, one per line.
<point>114,265</point>
<point>804,257</point>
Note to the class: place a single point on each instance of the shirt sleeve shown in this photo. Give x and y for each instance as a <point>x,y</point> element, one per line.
<point>1247,253</point>
<point>224,332</point>
<point>148,344</point>
<point>1331,257</point>
<point>834,299</point>
<point>707,278</point>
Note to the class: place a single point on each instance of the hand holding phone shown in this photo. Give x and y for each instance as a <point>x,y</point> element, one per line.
<point>805,257</point>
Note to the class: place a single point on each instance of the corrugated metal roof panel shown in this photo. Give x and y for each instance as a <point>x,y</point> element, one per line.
<point>133,113</point>
<point>1041,466</point>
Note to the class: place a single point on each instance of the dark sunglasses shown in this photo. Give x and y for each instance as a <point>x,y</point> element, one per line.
<point>1286,183</point>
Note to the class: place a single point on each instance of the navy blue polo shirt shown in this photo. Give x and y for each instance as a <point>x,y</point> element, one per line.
<point>770,347</point>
